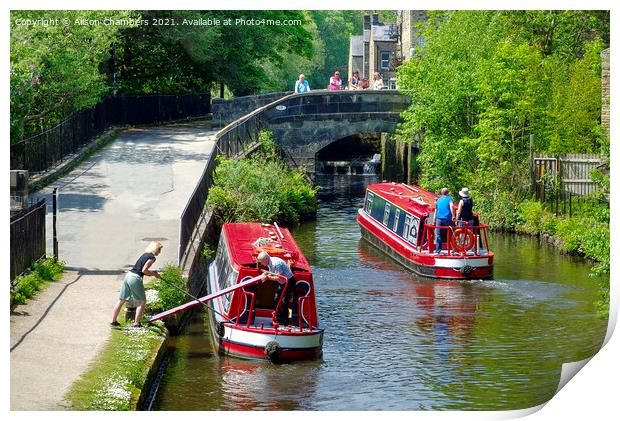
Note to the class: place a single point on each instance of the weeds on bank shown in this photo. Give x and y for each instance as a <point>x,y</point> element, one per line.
<point>162,295</point>
<point>261,188</point>
<point>40,274</point>
<point>120,371</point>
<point>586,233</point>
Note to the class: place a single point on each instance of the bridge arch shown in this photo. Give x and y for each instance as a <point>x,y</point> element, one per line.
<point>305,124</point>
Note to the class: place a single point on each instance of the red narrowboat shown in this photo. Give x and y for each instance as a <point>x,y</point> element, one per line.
<point>398,219</point>
<point>243,323</point>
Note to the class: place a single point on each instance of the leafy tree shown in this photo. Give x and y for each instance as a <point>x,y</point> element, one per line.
<point>187,58</point>
<point>55,69</point>
<point>484,81</point>
<point>335,28</point>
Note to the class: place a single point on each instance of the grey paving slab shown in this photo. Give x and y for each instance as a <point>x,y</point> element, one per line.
<point>56,335</point>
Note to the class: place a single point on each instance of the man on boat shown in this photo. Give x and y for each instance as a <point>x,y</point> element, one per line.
<point>277,266</point>
<point>444,216</point>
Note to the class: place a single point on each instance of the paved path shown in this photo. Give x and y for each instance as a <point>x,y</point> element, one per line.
<point>131,192</point>
<point>109,209</point>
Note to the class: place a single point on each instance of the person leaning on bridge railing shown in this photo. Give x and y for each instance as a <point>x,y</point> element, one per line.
<point>377,83</point>
<point>335,83</point>
<point>301,85</point>
<point>355,82</point>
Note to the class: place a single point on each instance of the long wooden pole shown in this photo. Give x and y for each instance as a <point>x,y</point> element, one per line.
<point>206,298</point>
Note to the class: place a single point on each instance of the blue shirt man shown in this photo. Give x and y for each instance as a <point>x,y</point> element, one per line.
<point>301,85</point>
<point>444,217</point>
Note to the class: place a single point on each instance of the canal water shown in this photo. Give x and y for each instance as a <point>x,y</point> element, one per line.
<point>395,341</point>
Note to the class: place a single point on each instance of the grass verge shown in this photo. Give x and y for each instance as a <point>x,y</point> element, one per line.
<point>119,378</point>
<point>39,275</point>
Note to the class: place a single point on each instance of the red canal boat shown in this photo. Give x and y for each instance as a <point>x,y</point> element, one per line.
<point>243,323</point>
<point>397,219</point>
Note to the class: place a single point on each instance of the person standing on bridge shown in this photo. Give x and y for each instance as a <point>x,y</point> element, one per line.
<point>377,82</point>
<point>133,287</point>
<point>335,83</point>
<point>277,266</point>
<point>301,85</point>
<point>355,82</point>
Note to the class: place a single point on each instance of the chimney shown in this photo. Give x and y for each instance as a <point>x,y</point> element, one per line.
<point>366,21</point>
<point>375,19</point>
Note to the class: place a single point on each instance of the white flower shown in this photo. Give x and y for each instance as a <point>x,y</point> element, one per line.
<point>152,296</point>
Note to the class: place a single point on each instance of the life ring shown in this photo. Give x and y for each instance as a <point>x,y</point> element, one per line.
<point>462,240</point>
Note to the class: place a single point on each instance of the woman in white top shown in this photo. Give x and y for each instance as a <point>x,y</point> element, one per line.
<point>377,83</point>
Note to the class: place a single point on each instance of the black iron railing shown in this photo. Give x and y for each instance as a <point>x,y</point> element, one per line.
<point>27,238</point>
<point>45,150</point>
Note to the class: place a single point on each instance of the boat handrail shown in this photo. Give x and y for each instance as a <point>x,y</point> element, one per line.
<point>250,310</point>
<point>282,295</point>
<point>300,302</point>
<point>479,232</point>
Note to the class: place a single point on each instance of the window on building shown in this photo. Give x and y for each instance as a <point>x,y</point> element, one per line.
<point>385,60</point>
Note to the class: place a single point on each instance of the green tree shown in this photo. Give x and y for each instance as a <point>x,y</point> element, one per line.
<point>482,84</point>
<point>56,69</point>
<point>335,28</point>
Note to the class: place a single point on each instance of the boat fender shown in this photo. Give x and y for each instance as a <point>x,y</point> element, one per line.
<point>272,350</point>
<point>220,329</point>
<point>466,270</point>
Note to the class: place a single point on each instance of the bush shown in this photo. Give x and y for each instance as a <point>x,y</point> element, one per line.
<point>258,189</point>
<point>40,273</point>
<point>167,295</point>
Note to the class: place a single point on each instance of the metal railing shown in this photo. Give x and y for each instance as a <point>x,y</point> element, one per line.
<point>27,238</point>
<point>238,137</point>
<point>457,237</point>
<point>46,149</point>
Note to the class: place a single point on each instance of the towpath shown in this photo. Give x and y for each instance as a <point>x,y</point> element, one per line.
<point>110,207</point>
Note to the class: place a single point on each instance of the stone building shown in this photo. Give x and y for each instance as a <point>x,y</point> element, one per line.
<point>384,46</point>
<point>374,50</point>
<point>410,33</point>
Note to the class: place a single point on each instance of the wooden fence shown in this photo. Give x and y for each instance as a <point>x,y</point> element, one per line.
<point>557,179</point>
<point>27,238</point>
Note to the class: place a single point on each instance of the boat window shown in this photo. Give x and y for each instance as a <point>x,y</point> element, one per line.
<point>386,214</point>
<point>369,199</point>
<point>226,275</point>
<point>410,233</point>
<point>396,217</point>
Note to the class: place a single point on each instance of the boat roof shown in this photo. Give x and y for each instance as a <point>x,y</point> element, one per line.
<point>411,198</point>
<point>240,238</point>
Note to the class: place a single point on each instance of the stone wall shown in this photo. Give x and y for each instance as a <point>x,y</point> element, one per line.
<point>225,111</point>
<point>398,159</point>
<point>605,118</point>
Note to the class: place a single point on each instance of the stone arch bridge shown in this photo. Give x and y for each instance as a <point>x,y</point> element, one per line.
<point>304,124</point>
